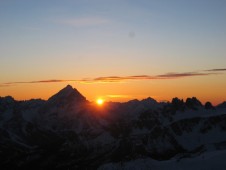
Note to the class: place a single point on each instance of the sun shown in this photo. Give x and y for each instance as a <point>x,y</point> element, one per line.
<point>100,101</point>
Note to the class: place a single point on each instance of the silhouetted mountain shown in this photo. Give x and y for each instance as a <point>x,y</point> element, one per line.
<point>7,99</point>
<point>193,103</point>
<point>66,95</point>
<point>178,104</point>
<point>222,105</point>
<point>69,132</point>
<point>208,105</point>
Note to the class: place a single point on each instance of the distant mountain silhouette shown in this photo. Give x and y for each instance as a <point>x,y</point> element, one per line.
<point>222,105</point>
<point>69,132</point>
<point>66,95</point>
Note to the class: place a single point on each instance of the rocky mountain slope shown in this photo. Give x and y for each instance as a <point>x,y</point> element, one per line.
<point>69,132</point>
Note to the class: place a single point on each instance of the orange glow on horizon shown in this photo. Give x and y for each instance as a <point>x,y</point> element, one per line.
<point>205,89</point>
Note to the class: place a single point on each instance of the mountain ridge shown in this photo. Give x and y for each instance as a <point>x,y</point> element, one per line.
<point>68,131</point>
<point>75,94</point>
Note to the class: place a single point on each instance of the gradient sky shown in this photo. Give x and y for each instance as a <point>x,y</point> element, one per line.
<point>115,49</point>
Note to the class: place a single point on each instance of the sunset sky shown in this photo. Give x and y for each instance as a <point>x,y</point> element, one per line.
<point>115,49</point>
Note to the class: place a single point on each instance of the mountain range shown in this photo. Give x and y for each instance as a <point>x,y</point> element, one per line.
<point>69,132</point>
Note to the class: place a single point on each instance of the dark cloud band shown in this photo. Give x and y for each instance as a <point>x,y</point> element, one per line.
<point>216,69</point>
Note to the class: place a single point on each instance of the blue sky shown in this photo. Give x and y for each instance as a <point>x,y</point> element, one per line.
<point>76,39</point>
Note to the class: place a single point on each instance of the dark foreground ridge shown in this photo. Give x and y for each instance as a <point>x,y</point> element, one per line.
<point>69,132</point>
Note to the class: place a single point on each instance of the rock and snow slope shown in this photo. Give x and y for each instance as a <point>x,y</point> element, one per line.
<point>205,161</point>
<point>67,131</point>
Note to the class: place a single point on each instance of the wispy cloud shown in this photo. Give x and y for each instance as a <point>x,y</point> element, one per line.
<point>123,78</point>
<point>148,77</point>
<point>34,82</point>
<point>217,69</point>
<point>85,21</point>
<point>39,81</point>
<point>118,79</point>
<point>181,75</point>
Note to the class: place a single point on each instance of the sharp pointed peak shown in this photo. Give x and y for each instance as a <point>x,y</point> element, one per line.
<point>69,87</point>
<point>68,93</point>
